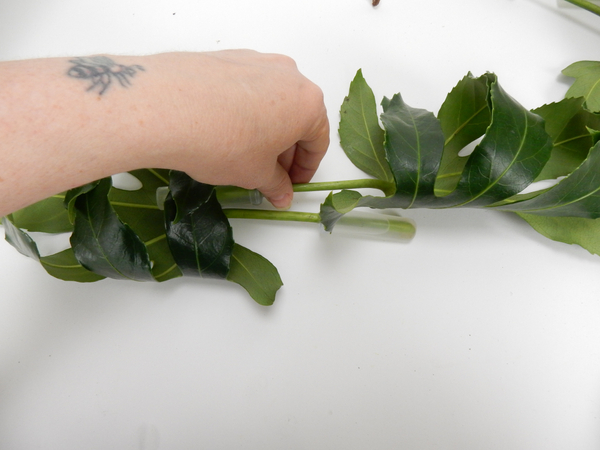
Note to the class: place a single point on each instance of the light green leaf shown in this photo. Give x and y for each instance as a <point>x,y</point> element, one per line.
<point>587,82</point>
<point>570,230</point>
<point>336,205</point>
<point>255,274</point>
<point>361,137</point>
<point>64,265</point>
<point>567,124</point>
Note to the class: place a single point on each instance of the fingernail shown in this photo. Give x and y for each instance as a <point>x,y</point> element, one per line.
<point>282,202</point>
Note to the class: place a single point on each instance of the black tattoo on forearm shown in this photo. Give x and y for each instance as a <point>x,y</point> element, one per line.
<point>101,70</point>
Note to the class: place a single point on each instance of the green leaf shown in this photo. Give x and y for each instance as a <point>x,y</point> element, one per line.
<point>361,137</point>
<point>255,274</point>
<point>577,195</point>
<point>198,232</point>
<point>64,265</point>
<point>72,194</point>
<point>188,194</point>
<point>102,243</point>
<point>19,239</point>
<point>510,156</point>
<point>587,82</point>
<point>336,205</point>
<point>570,230</point>
<point>414,144</point>
<point>464,117</point>
<point>512,153</point>
<point>139,209</point>
<point>47,216</point>
<point>567,124</point>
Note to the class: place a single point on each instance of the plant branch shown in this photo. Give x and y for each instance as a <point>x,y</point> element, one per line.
<point>589,6</point>
<point>288,216</point>
<point>369,183</point>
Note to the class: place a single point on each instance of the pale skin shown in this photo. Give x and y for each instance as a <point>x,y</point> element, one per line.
<point>233,117</point>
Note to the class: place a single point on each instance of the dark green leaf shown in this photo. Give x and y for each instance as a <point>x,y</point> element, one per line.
<point>464,117</point>
<point>199,234</point>
<point>102,243</point>
<point>587,82</point>
<point>255,274</point>
<point>139,209</point>
<point>72,194</point>
<point>511,155</point>
<point>361,137</point>
<point>188,194</point>
<point>414,143</point>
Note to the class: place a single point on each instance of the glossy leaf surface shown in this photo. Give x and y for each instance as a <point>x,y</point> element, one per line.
<point>198,232</point>
<point>102,243</point>
<point>413,144</point>
<point>72,194</point>
<point>139,210</point>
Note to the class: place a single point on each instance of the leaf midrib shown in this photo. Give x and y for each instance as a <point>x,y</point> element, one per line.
<point>497,180</point>
<point>96,238</point>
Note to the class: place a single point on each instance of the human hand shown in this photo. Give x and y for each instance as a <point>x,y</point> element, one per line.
<point>251,120</point>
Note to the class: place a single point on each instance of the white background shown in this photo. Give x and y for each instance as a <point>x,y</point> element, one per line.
<point>480,334</point>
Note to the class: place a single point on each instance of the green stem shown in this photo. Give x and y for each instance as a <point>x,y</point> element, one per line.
<point>586,5</point>
<point>291,216</point>
<point>370,183</point>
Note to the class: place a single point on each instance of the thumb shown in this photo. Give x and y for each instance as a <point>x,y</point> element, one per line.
<point>278,190</point>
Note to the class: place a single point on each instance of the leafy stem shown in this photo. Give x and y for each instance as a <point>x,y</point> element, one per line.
<point>386,187</point>
<point>289,216</point>
<point>589,6</point>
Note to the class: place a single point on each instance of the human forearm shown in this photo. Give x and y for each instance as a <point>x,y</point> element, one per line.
<point>56,134</point>
<point>233,117</point>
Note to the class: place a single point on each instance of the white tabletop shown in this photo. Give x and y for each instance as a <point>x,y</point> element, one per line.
<point>480,334</point>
